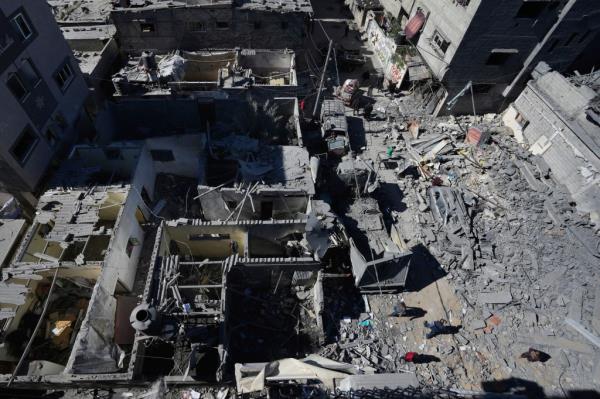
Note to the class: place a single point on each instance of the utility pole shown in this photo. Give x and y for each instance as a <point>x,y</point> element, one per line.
<point>322,79</point>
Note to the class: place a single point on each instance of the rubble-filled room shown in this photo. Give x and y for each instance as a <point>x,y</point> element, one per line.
<point>62,298</point>
<point>183,319</point>
<point>273,312</point>
<point>147,72</point>
<point>61,236</point>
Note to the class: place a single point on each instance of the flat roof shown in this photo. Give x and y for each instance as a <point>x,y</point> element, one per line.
<point>262,5</point>
<point>81,11</point>
<point>88,32</point>
<point>268,166</point>
<point>71,226</point>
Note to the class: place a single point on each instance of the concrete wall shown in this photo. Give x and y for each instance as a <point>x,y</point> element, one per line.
<point>47,51</point>
<point>187,153</point>
<point>94,156</point>
<point>144,178</point>
<point>204,67</point>
<point>287,204</point>
<point>259,239</point>
<point>193,28</point>
<point>213,248</point>
<point>263,63</point>
<point>127,227</point>
<point>108,55</point>
<point>138,118</point>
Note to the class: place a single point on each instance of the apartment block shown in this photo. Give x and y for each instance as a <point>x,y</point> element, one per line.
<point>188,25</point>
<point>495,45</point>
<point>42,93</point>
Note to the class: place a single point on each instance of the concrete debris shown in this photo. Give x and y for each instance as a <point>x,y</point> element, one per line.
<point>379,381</point>
<point>580,329</point>
<point>247,231</point>
<point>502,297</point>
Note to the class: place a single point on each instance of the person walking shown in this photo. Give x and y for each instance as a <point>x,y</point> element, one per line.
<point>435,328</point>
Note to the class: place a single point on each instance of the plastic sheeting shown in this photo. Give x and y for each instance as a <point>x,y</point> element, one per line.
<point>253,377</point>
<point>172,66</point>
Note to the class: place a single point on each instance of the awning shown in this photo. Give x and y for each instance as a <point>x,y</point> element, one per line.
<point>414,25</point>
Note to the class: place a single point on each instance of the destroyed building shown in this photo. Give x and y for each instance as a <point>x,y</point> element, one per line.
<point>189,71</point>
<point>250,180</point>
<point>96,52</point>
<point>241,291</point>
<point>42,96</point>
<point>558,118</point>
<point>241,228</point>
<point>82,12</point>
<point>162,26</point>
<point>86,242</point>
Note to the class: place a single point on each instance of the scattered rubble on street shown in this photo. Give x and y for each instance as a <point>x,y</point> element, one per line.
<point>308,219</point>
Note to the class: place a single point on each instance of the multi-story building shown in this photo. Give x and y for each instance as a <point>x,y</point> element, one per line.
<point>42,93</point>
<point>495,44</point>
<point>188,25</point>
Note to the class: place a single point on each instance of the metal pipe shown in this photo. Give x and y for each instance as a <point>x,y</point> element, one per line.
<point>35,331</point>
<point>322,79</point>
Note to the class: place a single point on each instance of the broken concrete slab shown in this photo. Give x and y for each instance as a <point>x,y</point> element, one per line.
<point>576,304</point>
<point>555,342</point>
<point>583,331</point>
<point>477,325</point>
<point>500,297</point>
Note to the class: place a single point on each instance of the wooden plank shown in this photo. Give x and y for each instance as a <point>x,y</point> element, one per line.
<point>45,257</point>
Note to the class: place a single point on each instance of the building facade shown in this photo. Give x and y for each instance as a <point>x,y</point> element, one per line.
<point>42,93</point>
<point>496,44</point>
<point>212,24</point>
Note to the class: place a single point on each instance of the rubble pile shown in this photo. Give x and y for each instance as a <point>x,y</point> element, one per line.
<point>505,236</point>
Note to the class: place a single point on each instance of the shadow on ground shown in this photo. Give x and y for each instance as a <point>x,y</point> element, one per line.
<point>342,300</point>
<point>425,269</point>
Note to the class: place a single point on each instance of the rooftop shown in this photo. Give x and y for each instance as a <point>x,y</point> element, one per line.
<point>73,226</point>
<point>88,32</point>
<point>239,160</point>
<point>82,11</point>
<point>263,5</point>
<point>187,70</point>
